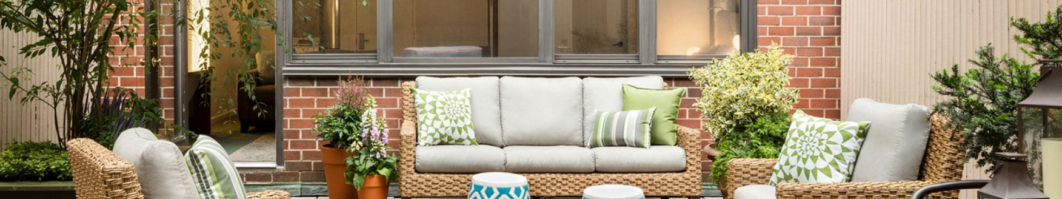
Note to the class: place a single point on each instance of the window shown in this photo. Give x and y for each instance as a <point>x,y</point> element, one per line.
<point>493,37</point>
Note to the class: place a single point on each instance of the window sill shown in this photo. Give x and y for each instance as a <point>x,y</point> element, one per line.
<point>524,69</point>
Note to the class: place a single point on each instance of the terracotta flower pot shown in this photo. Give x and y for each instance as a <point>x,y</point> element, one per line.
<point>334,160</point>
<point>375,188</point>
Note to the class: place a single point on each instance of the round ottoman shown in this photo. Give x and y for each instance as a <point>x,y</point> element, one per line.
<point>498,185</point>
<point>613,191</point>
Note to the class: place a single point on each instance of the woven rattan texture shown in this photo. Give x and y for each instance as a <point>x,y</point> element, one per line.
<point>270,194</point>
<point>98,173</point>
<point>942,163</point>
<point>414,184</point>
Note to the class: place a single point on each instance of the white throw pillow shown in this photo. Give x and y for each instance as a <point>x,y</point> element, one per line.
<point>894,147</point>
<point>159,165</point>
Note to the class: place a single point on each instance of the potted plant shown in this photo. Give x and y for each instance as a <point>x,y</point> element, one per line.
<point>341,127</point>
<point>746,101</point>
<point>371,169</point>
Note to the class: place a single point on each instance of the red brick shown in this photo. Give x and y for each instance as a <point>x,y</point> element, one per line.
<point>809,72</point>
<point>832,114</point>
<point>300,103</point>
<point>286,176</point>
<point>300,123</point>
<point>823,103</point>
<point>292,113</point>
<point>808,31</point>
<point>291,134</point>
<point>768,21</point>
<point>795,41</point>
<point>831,31</point>
<point>325,102</point>
<point>833,93</point>
<point>794,2</point>
<point>799,82</point>
<point>387,102</point>
<point>831,72</point>
<point>692,123</point>
<point>795,21</point>
<point>802,103</point>
<point>767,2</point>
<point>799,62</point>
<point>808,10</point>
<point>312,177</point>
<point>813,112</point>
<point>769,40</point>
<point>311,155</point>
<point>823,61</point>
<point>809,52</point>
<point>299,82</point>
<point>831,10</point>
<point>310,112</point>
<point>258,177</point>
<point>318,166</point>
<point>824,83</point>
<point>392,113</point>
<point>811,93</point>
<point>298,166</point>
<point>303,144</point>
<point>821,21</point>
<point>392,92</point>
<point>385,83</point>
<point>830,2</point>
<point>316,92</point>
<point>832,51</point>
<point>823,41</point>
<point>292,155</point>
<point>780,10</point>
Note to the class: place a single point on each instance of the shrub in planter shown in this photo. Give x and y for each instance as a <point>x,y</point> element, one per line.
<point>346,127</point>
<point>746,102</point>
<point>34,161</point>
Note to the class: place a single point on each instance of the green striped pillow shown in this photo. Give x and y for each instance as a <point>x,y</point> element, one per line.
<point>214,173</point>
<point>623,128</point>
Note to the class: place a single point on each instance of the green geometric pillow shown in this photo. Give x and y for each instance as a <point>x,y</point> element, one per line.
<point>621,128</point>
<point>819,150</point>
<point>444,117</point>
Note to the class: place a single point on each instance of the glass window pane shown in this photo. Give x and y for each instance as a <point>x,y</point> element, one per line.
<point>334,26</point>
<point>596,27</point>
<point>466,28</point>
<point>690,27</point>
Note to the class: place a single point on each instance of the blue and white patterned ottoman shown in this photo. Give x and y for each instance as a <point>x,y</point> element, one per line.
<point>498,185</point>
<point>613,191</point>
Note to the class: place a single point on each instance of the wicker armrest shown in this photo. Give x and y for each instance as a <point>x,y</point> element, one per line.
<point>99,173</point>
<point>690,141</point>
<point>849,190</point>
<point>269,194</point>
<point>745,171</point>
<point>408,145</point>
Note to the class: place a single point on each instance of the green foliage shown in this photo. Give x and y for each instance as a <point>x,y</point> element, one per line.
<point>367,163</point>
<point>983,103</point>
<point>79,33</point>
<point>762,138</point>
<point>114,111</point>
<point>342,124</point>
<point>743,87</point>
<point>1043,38</point>
<point>34,161</point>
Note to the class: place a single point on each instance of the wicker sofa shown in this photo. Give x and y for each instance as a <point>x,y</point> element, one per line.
<point>99,173</point>
<point>685,181</point>
<point>942,163</point>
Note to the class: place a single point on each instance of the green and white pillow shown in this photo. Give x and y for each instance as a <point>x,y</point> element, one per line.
<point>444,117</point>
<point>819,150</point>
<point>214,173</point>
<point>623,128</point>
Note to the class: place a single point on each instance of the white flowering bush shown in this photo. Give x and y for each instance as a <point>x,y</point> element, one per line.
<point>743,87</point>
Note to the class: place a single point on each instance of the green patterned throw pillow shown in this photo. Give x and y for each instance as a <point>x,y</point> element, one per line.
<point>444,117</point>
<point>622,128</point>
<point>819,150</point>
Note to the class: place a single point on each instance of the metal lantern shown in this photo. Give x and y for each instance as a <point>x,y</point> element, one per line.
<point>1040,128</point>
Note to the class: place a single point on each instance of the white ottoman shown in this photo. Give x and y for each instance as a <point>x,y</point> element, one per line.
<point>498,185</point>
<point>613,191</point>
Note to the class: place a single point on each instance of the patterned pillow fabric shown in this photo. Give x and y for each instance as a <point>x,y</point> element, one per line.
<point>819,150</point>
<point>214,173</point>
<point>444,117</point>
<point>622,128</point>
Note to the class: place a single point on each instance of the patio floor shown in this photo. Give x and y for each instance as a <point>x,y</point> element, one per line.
<point>326,197</point>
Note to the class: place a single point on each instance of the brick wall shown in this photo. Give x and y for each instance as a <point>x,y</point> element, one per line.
<point>129,72</point>
<point>808,29</point>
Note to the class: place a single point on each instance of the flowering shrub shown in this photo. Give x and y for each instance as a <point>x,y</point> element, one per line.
<point>352,125</point>
<point>743,87</point>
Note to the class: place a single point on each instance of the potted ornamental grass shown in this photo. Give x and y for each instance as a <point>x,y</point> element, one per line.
<point>341,127</point>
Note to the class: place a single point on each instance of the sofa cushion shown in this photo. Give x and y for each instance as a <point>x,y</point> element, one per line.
<point>894,146</point>
<point>542,111</point>
<point>548,159</point>
<point>486,112</point>
<point>214,173</point>
<point>459,159</point>
<point>666,101</point>
<point>636,160</point>
<point>606,94</point>
<point>757,191</point>
<point>159,165</point>
<point>444,117</point>
<point>622,128</point>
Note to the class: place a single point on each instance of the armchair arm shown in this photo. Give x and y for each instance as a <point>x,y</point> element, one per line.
<point>690,141</point>
<point>408,140</point>
<point>948,186</point>
<point>849,190</point>
<point>269,194</point>
<point>747,171</point>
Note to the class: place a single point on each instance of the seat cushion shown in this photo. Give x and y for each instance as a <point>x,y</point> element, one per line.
<point>636,160</point>
<point>214,173</point>
<point>758,191</point>
<point>895,145</point>
<point>542,111</point>
<point>548,159</point>
<point>486,112</point>
<point>459,159</point>
<point>159,165</point>
<point>606,94</point>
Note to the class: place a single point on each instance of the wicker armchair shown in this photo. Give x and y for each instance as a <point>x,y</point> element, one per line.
<point>942,163</point>
<point>416,184</point>
<point>99,173</point>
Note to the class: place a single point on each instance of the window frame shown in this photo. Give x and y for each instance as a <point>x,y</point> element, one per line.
<point>547,63</point>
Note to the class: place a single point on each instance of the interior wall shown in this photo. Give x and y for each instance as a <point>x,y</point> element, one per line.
<point>518,28</point>
<point>440,23</point>
<point>892,47</point>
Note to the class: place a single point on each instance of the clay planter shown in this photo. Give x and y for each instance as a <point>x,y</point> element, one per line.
<point>334,160</point>
<point>375,187</point>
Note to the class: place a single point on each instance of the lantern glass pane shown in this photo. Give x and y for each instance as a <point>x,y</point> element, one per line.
<point>1042,130</point>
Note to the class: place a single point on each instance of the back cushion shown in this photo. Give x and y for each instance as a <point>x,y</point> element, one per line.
<point>159,165</point>
<point>486,113</point>
<point>895,143</point>
<point>542,111</point>
<point>606,94</point>
<point>213,171</point>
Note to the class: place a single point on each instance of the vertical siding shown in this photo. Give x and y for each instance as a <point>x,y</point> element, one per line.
<point>892,47</point>
<point>30,121</point>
